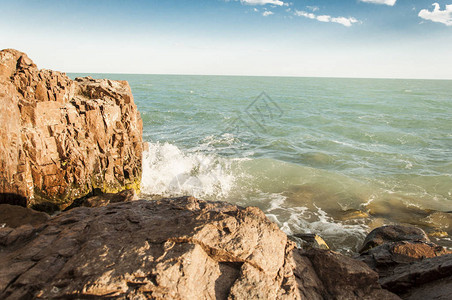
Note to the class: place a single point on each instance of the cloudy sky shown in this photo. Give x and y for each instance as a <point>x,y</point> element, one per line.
<point>347,38</point>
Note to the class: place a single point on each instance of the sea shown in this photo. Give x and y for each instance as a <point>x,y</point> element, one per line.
<point>331,156</point>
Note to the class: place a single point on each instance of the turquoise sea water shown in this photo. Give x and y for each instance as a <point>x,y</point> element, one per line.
<point>337,157</point>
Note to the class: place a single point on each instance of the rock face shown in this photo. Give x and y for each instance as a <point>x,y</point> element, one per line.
<point>60,138</point>
<point>180,248</point>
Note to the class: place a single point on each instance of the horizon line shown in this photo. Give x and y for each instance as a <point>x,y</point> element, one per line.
<point>269,76</point>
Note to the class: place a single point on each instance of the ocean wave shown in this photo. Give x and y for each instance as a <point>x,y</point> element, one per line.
<point>169,171</point>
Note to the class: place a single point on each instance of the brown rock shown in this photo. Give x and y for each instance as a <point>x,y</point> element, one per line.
<point>170,249</point>
<point>439,290</point>
<point>414,268</point>
<point>393,233</point>
<point>103,199</point>
<point>180,248</point>
<point>15,216</point>
<point>342,277</point>
<point>429,277</point>
<point>397,245</point>
<point>61,139</point>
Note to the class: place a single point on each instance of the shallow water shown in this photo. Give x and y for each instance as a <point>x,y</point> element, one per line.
<point>337,157</point>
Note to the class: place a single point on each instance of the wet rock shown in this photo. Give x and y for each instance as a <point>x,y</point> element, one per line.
<point>425,279</point>
<point>309,240</point>
<point>413,268</point>
<point>15,216</point>
<point>393,233</point>
<point>60,139</point>
<point>439,290</point>
<point>386,257</point>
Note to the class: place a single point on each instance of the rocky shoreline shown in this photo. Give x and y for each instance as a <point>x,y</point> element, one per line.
<point>74,147</point>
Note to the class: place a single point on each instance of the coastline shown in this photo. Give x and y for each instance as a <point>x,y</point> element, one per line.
<point>184,244</point>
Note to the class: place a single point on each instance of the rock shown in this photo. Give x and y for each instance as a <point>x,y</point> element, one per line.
<point>180,248</point>
<point>335,276</point>
<point>386,257</point>
<point>308,240</point>
<point>425,279</point>
<point>414,268</point>
<point>388,247</point>
<point>103,199</point>
<point>439,290</point>
<point>393,233</point>
<point>61,139</point>
<point>15,216</point>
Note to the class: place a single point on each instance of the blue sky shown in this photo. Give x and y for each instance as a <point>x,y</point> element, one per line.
<point>350,38</point>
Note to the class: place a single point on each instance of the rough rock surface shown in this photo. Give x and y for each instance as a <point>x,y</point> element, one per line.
<point>324,274</point>
<point>61,138</point>
<point>388,247</point>
<point>409,280</point>
<point>408,264</point>
<point>180,248</point>
<point>393,233</point>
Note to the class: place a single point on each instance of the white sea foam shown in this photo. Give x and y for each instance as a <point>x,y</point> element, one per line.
<point>169,171</point>
<point>276,201</point>
<point>303,220</point>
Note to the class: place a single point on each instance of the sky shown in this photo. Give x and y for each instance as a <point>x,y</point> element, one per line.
<point>307,38</point>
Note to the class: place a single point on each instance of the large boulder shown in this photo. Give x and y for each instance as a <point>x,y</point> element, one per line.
<point>61,139</point>
<point>393,233</point>
<point>181,248</point>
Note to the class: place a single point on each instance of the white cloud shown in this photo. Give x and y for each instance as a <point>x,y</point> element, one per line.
<point>325,18</point>
<point>347,22</point>
<point>438,15</point>
<point>263,2</point>
<point>387,2</point>
<point>301,13</point>
<point>313,8</point>
<point>267,13</point>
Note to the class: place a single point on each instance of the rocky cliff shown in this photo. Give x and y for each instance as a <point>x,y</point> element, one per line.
<point>61,139</point>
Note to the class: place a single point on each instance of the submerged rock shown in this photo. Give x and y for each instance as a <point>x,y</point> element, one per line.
<point>181,248</point>
<point>60,138</point>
